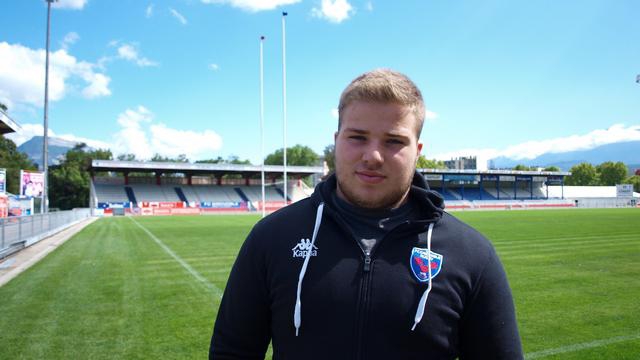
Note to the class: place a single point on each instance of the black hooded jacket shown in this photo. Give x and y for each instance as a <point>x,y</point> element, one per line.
<point>358,307</point>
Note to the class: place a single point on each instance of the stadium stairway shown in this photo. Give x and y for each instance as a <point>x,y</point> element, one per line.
<point>282,193</point>
<point>242,194</point>
<point>181,195</point>
<point>131,195</point>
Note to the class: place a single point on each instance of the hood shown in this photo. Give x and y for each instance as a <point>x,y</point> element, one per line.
<point>431,203</point>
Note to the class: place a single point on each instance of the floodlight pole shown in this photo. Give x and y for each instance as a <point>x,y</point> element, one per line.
<point>44,205</point>
<point>284,103</point>
<point>262,123</point>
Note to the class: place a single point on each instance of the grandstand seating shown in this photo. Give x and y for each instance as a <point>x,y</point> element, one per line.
<point>476,194</point>
<point>111,192</point>
<point>149,192</point>
<point>254,193</point>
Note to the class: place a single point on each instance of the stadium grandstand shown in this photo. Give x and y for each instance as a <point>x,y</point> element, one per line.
<point>167,188</point>
<point>164,188</point>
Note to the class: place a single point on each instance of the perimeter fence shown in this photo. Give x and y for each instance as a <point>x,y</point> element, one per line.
<point>18,232</point>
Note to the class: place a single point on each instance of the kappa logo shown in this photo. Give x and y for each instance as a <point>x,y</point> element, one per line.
<point>422,267</point>
<point>303,247</point>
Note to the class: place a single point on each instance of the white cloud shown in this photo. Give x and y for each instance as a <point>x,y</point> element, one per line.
<point>98,86</point>
<point>140,136</point>
<point>149,12</point>
<point>130,53</point>
<point>70,4</point>
<point>28,131</point>
<point>335,113</point>
<point>368,6</point>
<point>214,67</point>
<point>69,39</point>
<point>335,11</point>
<point>532,149</point>
<point>429,115</point>
<point>178,16</point>
<point>22,72</point>
<point>173,142</point>
<point>253,5</point>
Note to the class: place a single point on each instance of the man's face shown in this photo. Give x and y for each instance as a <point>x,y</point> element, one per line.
<point>376,153</point>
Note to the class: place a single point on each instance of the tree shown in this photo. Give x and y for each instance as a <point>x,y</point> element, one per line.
<point>159,158</point>
<point>521,167</point>
<point>69,181</point>
<point>127,157</point>
<point>330,157</point>
<point>611,173</point>
<point>424,163</point>
<point>635,181</point>
<point>583,174</point>
<point>233,159</point>
<point>298,155</point>
<point>3,107</point>
<point>14,161</point>
<point>551,168</point>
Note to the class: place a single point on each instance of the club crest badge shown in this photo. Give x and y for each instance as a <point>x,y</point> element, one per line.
<point>420,264</point>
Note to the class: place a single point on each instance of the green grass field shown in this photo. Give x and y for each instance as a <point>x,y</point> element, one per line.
<point>150,287</point>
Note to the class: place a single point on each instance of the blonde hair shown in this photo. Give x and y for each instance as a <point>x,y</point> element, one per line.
<point>385,86</point>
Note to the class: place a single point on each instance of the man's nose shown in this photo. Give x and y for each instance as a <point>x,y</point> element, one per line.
<point>372,156</point>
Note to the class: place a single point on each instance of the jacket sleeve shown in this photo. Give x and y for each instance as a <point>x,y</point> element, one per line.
<point>489,328</point>
<point>242,328</point>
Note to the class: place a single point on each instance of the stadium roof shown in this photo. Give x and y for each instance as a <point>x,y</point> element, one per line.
<point>493,172</point>
<point>271,170</point>
<point>200,169</point>
<point>7,125</point>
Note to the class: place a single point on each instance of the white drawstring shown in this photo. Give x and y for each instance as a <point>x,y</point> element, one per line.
<point>297,319</point>
<point>425,295</point>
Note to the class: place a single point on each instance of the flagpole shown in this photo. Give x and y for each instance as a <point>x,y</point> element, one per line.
<point>44,205</point>
<point>284,103</point>
<point>262,122</point>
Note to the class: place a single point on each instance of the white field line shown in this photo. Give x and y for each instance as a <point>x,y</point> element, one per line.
<point>585,245</point>
<point>581,346</point>
<point>184,264</point>
<point>555,239</point>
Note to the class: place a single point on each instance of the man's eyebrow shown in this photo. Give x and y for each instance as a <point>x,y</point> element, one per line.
<point>357,131</point>
<point>394,135</point>
<point>397,135</point>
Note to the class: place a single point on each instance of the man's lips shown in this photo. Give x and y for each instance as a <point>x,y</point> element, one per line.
<point>370,177</point>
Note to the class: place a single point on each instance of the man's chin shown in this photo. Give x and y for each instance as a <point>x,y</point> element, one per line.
<point>367,201</point>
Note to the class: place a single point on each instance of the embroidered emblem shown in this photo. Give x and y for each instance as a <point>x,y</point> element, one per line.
<point>420,264</point>
<point>303,247</point>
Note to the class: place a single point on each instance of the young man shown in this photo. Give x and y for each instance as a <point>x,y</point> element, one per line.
<point>370,266</point>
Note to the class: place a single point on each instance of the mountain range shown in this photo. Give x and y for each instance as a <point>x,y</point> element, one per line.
<point>627,152</point>
<point>56,148</point>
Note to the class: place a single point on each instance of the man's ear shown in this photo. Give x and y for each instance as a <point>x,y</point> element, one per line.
<point>335,137</point>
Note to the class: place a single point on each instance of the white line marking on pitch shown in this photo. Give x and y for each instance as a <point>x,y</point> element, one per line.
<point>184,264</point>
<point>582,346</point>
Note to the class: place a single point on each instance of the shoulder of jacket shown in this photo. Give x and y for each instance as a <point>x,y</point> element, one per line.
<point>464,236</point>
<point>289,215</point>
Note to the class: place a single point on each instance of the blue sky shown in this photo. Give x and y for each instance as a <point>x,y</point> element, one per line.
<point>514,78</point>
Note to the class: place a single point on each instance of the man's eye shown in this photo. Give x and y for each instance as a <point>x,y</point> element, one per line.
<point>357,137</point>
<point>395,142</point>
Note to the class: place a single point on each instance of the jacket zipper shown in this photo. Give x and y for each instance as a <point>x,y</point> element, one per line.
<point>364,303</point>
<point>364,297</point>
